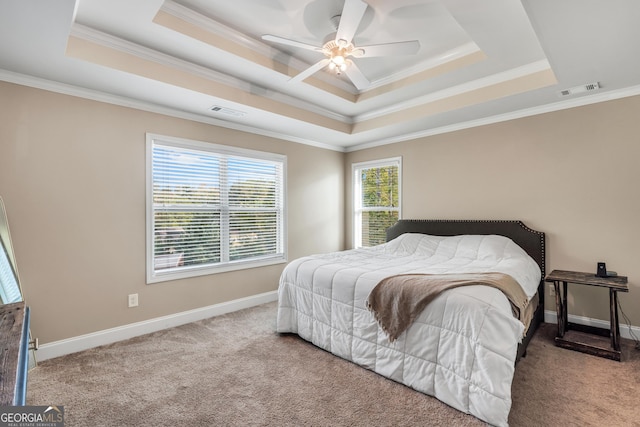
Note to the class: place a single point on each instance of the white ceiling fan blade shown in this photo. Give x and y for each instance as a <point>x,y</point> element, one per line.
<point>352,14</point>
<point>311,70</point>
<point>355,75</point>
<point>288,42</point>
<point>400,48</point>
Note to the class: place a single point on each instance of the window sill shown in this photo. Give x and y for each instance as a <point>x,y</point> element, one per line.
<point>187,272</point>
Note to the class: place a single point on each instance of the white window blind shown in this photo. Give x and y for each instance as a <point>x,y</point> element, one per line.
<point>213,208</point>
<point>377,196</point>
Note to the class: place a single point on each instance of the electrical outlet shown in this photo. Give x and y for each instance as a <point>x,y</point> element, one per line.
<point>552,290</point>
<point>133,300</point>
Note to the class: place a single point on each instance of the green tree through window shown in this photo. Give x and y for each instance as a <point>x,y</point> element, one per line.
<point>376,200</point>
<point>213,206</point>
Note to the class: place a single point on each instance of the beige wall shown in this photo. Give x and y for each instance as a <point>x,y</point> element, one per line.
<point>573,174</point>
<point>72,175</point>
<point>73,179</point>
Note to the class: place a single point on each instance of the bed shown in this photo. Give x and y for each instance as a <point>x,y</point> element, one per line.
<point>463,347</point>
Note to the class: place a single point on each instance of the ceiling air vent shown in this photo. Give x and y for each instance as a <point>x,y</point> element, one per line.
<point>227,111</point>
<point>580,89</point>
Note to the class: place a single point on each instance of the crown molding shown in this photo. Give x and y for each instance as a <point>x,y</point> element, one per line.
<point>65,89</point>
<point>215,27</point>
<point>112,42</point>
<point>443,58</point>
<point>211,25</point>
<point>526,112</point>
<point>94,95</point>
<point>449,92</point>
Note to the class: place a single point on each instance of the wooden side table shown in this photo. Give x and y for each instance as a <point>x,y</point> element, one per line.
<point>588,339</point>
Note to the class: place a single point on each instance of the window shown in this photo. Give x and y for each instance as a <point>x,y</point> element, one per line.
<point>376,190</point>
<point>212,208</point>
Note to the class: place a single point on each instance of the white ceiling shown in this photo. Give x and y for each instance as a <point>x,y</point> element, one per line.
<point>479,61</point>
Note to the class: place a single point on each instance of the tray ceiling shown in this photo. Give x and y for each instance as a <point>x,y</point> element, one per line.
<point>206,60</point>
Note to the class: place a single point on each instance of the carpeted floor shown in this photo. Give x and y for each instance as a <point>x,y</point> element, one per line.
<point>233,370</point>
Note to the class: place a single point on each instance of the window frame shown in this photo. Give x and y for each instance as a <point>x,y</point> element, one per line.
<point>154,276</point>
<point>357,193</point>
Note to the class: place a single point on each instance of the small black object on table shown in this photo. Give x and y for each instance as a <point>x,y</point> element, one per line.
<point>584,338</point>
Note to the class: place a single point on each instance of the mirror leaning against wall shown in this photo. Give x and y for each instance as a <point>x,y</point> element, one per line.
<point>17,356</point>
<point>9,282</point>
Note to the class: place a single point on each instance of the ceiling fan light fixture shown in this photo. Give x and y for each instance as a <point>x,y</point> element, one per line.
<point>337,51</point>
<point>338,60</point>
<point>338,63</point>
<point>338,48</point>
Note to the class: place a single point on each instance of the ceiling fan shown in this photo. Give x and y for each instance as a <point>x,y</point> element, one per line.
<point>339,48</point>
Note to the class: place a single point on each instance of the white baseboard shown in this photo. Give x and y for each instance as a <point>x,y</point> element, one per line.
<point>108,336</point>
<point>552,317</point>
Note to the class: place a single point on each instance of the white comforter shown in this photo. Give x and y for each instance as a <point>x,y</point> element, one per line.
<point>461,349</point>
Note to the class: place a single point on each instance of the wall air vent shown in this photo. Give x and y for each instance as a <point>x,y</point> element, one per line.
<point>227,111</point>
<point>580,89</point>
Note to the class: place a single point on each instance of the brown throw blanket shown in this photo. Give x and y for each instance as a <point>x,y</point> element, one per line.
<point>397,300</point>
